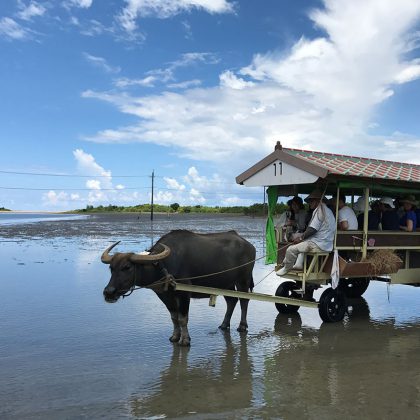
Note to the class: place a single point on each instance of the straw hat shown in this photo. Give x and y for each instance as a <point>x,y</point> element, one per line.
<point>410,199</point>
<point>314,195</point>
<point>387,200</point>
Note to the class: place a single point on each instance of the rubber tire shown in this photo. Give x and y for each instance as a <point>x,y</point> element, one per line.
<point>286,290</point>
<point>354,288</point>
<point>332,305</point>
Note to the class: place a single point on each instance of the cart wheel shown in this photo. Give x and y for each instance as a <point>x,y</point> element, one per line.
<point>286,289</point>
<point>354,288</point>
<point>332,305</point>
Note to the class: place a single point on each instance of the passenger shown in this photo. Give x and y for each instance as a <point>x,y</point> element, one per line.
<point>409,221</point>
<point>284,217</point>
<point>299,212</point>
<point>399,207</point>
<point>283,226</point>
<point>347,219</point>
<point>373,218</point>
<point>319,236</point>
<point>389,216</point>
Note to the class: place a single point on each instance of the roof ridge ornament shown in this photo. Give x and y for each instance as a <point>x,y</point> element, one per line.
<point>278,146</point>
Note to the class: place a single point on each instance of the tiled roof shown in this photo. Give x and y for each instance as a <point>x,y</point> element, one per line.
<point>358,166</point>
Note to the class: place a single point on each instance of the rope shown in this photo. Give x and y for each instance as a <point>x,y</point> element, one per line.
<point>163,280</point>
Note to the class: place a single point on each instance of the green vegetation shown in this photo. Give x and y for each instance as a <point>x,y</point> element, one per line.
<point>257,209</point>
<point>4,209</point>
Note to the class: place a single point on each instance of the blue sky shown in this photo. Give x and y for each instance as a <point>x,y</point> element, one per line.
<point>104,92</point>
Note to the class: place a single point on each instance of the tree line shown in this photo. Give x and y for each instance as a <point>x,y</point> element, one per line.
<point>256,209</point>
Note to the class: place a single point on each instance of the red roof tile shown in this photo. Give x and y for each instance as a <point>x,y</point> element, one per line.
<point>358,166</point>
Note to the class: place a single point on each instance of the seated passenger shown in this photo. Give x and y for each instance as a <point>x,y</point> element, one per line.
<point>389,216</point>
<point>373,218</point>
<point>319,235</point>
<point>299,222</point>
<point>347,219</point>
<point>409,221</point>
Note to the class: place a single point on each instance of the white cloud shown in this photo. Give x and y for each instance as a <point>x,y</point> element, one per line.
<point>230,80</point>
<point>101,63</point>
<point>87,165</point>
<point>83,4</point>
<point>166,8</point>
<point>12,30</point>
<point>33,9</point>
<point>174,184</point>
<point>409,72</point>
<point>93,184</point>
<point>145,82</point>
<point>185,85</point>
<point>165,75</point>
<point>319,94</point>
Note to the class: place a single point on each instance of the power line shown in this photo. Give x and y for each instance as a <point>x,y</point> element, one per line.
<point>99,176</point>
<point>77,176</point>
<point>72,189</point>
<point>238,193</point>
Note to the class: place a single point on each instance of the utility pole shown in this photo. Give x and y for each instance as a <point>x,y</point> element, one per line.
<point>153,183</point>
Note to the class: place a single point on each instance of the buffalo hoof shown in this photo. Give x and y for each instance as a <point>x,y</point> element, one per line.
<point>185,342</point>
<point>224,327</point>
<point>243,328</point>
<point>174,338</point>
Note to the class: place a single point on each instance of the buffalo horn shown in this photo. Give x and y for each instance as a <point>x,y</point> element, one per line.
<point>106,258</point>
<point>137,258</point>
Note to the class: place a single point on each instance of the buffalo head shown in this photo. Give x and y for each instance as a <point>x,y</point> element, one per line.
<point>124,269</point>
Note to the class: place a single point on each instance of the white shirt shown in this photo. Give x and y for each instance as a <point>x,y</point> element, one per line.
<point>323,221</point>
<point>348,215</point>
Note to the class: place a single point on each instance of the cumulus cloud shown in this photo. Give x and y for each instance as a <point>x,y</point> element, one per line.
<point>319,94</point>
<point>194,188</point>
<point>101,189</point>
<point>230,80</point>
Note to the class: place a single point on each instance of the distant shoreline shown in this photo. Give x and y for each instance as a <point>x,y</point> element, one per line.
<point>31,212</point>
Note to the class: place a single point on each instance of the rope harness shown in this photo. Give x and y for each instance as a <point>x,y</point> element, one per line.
<point>168,279</point>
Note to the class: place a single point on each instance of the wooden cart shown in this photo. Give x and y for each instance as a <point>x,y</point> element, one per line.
<point>293,172</point>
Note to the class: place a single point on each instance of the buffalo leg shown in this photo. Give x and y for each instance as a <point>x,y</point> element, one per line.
<point>171,304</point>
<point>230,307</point>
<point>176,335</point>
<point>184,307</point>
<point>243,325</point>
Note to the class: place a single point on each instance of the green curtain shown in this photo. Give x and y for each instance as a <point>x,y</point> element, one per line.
<point>270,235</point>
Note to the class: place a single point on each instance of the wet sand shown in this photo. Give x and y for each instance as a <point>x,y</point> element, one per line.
<point>65,353</point>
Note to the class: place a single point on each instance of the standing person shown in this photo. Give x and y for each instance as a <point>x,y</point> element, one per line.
<point>347,219</point>
<point>319,235</point>
<point>373,218</point>
<point>409,221</point>
<point>389,216</point>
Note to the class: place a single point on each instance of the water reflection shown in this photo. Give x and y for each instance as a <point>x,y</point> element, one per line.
<point>213,384</point>
<point>64,353</point>
<point>363,368</point>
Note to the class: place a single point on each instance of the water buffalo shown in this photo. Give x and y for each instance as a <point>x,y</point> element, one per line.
<point>184,254</point>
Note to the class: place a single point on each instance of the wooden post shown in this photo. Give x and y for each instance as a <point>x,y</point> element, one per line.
<point>153,181</point>
<point>365,224</point>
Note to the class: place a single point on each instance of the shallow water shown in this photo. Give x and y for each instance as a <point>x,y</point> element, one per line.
<point>65,353</point>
